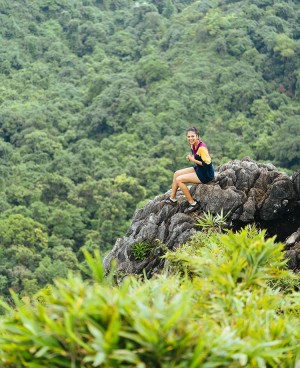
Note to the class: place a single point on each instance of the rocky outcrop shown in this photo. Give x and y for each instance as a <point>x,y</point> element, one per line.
<point>244,190</point>
<point>292,245</point>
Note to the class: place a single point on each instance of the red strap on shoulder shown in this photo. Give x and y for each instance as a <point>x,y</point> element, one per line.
<point>200,144</point>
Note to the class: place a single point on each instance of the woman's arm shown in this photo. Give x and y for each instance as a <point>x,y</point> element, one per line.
<point>203,153</point>
<point>192,159</point>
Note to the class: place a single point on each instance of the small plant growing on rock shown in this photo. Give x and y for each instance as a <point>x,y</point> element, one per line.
<point>141,250</point>
<point>210,221</point>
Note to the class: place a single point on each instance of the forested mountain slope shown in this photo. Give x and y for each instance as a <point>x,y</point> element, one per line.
<point>95,99</point>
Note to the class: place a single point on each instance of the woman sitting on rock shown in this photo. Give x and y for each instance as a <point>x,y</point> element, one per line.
<point>201,173</point>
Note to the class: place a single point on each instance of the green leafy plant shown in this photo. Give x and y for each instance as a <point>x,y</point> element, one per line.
<point>141,250</point>
<point>245,258</point>
<point>225,315</point>
<point>211,221</point>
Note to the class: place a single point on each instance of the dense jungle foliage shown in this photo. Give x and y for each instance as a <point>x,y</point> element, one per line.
<point>95,99</point>
<point>224,301</point>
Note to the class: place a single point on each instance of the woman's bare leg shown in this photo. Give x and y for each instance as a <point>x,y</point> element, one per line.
<point>187,178</point>
<point>178,173</point>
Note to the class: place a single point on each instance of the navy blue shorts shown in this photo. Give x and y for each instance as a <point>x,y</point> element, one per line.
<point>205,174</point>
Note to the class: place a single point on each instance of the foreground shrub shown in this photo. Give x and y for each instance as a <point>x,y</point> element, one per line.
<point>216,309</point>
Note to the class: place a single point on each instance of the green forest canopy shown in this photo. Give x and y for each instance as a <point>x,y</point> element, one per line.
<point>95,99</point>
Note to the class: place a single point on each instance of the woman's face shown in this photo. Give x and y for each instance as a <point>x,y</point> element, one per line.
<point>192,137</point>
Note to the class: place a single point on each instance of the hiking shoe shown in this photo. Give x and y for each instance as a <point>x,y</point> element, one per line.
<point>192,207</point>
<point>170,201</point>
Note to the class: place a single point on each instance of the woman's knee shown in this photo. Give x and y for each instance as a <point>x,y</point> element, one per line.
<point>179,179</point>
<point>176,174</point>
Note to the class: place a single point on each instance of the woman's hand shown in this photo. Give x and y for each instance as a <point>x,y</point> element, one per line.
<point>190,157</point>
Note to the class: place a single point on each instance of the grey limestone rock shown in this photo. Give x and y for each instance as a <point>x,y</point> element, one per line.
<point>292,244</point>
<point>293,239</point>
<point>276,198</point>
<point>292,257</point>
<point>244,190</point>
<point>296,182</point>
